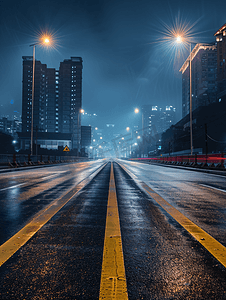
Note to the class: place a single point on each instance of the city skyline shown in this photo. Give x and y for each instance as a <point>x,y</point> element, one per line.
<point>125,62</point>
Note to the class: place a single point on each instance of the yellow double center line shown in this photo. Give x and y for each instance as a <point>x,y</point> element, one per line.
<point>113,278</point>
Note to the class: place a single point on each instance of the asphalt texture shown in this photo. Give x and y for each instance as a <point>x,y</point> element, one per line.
<point>162,260</point>
<point>63,260</point>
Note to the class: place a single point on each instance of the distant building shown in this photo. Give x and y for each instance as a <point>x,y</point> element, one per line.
<point>10,126</point>
<point>221,62</point>
<point>146,113</point>
<point>157,119</point>
<point>57,99</point>
<point>204,74</point>
<point>86,135</point>
<point>45,140</point>
<point>212,117</point>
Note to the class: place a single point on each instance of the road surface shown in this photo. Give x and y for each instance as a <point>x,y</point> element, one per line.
<point>112,230</point>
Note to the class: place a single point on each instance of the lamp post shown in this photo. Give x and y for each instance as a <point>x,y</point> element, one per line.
<point>179,40</point>
<point>81,111</point>
<point>191,135</point>
<point>44,41</point>
<point>142,116</point>
<point>129,129</point>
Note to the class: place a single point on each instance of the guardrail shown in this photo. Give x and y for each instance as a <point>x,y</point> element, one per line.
<point>17,160</point>
<point>198,160</point>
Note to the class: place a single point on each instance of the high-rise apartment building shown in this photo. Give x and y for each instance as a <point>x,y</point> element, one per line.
<point>221,62</point>
<point>204,74</point>
<point>39,94</point>
<point>70,98</point>
<point>57,98</point>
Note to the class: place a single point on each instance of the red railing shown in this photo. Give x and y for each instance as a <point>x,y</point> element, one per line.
<point>219,158</point>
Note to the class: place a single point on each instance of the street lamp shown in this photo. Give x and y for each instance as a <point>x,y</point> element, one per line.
<point>45,40</point>
<point>179,40</point>
<point>81,111</point>
<point>128,129</point>
<point>136,112</point>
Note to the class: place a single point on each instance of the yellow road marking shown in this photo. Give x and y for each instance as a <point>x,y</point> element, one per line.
<point>20,238</point>
<point>212,245</point>
<point>113,278</point>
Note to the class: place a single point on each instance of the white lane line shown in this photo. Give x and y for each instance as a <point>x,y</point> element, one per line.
<point>12,187</point>
<point>214,188</point>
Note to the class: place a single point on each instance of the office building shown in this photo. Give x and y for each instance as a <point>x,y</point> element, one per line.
<point>204,74</point>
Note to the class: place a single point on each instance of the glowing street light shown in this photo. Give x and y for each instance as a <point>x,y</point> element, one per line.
<point>179,39</point>
<point>44,41</point>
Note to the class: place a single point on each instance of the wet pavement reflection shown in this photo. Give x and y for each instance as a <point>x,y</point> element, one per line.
<point>63,260</point>
<point>25,193</point>
<point>162,260</point>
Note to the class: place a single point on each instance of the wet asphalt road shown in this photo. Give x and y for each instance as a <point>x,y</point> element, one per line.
<point>63,260</point>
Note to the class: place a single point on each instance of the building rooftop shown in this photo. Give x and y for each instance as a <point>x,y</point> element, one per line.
<point>197,48</point>
<point>220,31</point>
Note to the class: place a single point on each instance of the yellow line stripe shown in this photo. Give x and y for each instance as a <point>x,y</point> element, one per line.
<point>212,245</point>
<point>113,278</point>
<point>20,238</point>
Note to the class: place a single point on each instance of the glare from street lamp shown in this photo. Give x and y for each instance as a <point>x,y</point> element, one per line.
<point>46,40</point>
<point>136,110</point>
<point>127,128</point>
<point>82,111</point>
<point>179,39</point>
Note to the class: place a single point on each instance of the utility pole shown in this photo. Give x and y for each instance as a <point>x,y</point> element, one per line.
<point>206,141</point>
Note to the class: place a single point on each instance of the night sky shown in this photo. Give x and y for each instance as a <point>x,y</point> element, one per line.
<point>128,61</point>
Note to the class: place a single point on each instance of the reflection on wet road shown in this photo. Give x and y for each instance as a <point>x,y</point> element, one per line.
<point>63,259</point>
